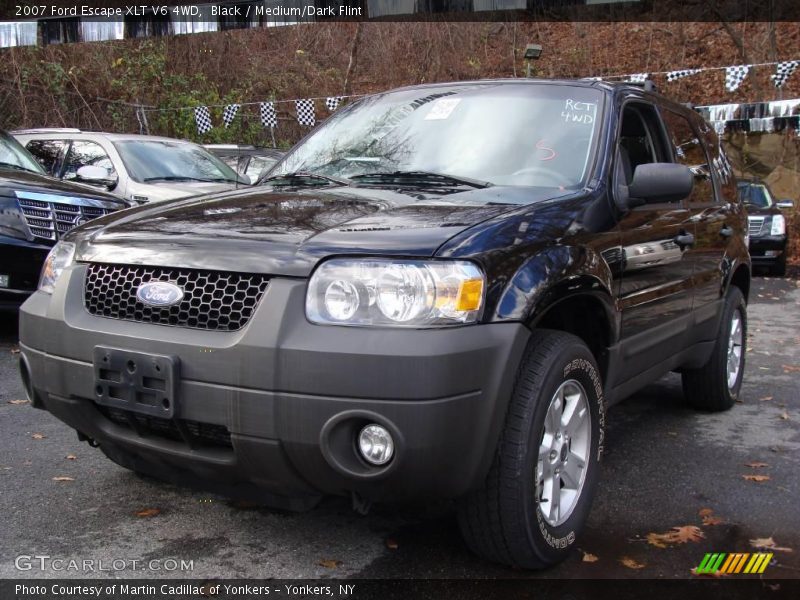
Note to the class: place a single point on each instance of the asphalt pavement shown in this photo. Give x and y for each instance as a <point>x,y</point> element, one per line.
<point>665,466</point>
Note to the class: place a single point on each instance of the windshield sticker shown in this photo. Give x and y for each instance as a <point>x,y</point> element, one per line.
<point>442,108</point>
<point>576,111</point>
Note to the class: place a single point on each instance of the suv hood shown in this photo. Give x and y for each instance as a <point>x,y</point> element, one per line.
<point>169,190</point>
<point>11,180</point>
<point>284,231</point>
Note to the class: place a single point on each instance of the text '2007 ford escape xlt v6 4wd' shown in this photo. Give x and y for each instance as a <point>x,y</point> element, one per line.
<point>434,295</point>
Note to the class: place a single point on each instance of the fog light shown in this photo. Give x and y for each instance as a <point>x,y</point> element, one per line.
<point>376,444</point>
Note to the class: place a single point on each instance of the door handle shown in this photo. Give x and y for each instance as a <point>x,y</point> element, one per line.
<point>726,231</point>
<point>684,239</point>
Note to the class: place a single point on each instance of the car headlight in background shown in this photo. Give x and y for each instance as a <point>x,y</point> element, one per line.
<point>778,225</point>
<point>395,293</point>
<point>60,257</point>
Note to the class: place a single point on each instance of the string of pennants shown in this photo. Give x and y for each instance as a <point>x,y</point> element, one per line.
<point>305,111</point>
<point>734,74</point>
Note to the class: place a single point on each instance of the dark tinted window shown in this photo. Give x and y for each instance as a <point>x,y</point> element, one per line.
<point>48,153</point>
<point>87,153</point>
<point>689,151</point>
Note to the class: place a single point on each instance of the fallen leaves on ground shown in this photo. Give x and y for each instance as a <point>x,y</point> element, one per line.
<point>391,544</point>
<point>146,513</point>
<point>15,350</point>
<point>791,368</point>
<point>768,544</point>
<point>71,457</point>
<point>38,436</point>
<point>676,535</point>
<point>784,415</point>
<point>709,518</point>
<point>19,401</point>
<point>631,563</point>
<point>765,399</point>
<point>756,478</point>
<point>62,478</point>
<point>589,557</point>
<point>329,563</point>
<point>756,465</point>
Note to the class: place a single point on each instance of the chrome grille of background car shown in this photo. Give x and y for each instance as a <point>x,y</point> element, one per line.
<point>213,300</point>
<point>754,225</point>
<point>50,220</point>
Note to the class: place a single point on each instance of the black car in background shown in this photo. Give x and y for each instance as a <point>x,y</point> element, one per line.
<point>36,210</point>
<point>766,225</point>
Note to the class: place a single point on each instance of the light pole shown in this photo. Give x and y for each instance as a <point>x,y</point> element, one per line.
<point>532,52</point>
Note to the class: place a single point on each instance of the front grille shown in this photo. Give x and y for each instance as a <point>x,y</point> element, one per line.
<point>49,216</point>
<point>211,299</point>
<point>194,433</point>
<point>754,225</point>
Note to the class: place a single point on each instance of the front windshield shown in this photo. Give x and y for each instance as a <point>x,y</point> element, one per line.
<point>151,161</point>
<point>519,134</point>
<point>14,156</point>
<point>755,195</point>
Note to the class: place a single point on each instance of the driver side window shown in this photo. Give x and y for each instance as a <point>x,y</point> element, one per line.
<point>641,141</point>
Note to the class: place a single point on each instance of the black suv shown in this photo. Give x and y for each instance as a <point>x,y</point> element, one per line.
<point>35,211</point>
<point>766,225</point>
<point>434,295</point>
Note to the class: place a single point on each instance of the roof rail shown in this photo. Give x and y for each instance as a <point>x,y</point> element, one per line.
<point>49,130</point>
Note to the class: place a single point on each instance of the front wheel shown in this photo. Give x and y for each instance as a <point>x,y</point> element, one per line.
<point>539,490</point>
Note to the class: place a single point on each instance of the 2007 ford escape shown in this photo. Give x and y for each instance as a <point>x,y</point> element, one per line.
<point>434,295</point>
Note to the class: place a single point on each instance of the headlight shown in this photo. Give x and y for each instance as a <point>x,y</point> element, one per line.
<point>60,258</point>
<point>395,293</point>
<point>778,225</point>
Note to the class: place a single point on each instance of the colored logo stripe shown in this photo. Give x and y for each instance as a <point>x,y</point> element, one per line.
<point>737,562</point>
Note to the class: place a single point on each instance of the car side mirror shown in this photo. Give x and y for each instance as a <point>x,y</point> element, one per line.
<point>785,204</point>
<point>660,182</point>
<point>96,176</point>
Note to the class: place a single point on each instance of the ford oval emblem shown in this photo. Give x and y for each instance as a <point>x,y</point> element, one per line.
<point>159,293</point>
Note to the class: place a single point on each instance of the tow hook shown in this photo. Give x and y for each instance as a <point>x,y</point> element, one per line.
<point>82,437</point>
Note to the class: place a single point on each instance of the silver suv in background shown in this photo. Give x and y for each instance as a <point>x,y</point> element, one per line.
<point>141,168</point>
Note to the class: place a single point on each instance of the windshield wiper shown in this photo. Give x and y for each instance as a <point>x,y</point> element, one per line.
<point>184,178</point>
<point>422,178</point>
<point>298,177</point>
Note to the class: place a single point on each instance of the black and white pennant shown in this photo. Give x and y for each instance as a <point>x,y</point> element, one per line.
<point>638,78</point>
<point>333,102</point>
<point>783,71</point>
<point>202,117</point>
<point>229,114</point>
<point>305,112</point>
<point>734,76</point>
<point>680,74</point>
<point>268,116</point>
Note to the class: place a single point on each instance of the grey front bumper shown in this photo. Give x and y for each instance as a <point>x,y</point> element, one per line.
<point>290,394</point>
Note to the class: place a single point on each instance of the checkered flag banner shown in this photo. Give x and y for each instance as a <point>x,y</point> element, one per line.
<point>202,117</point>
<point>333,102</point>
<point>229,114</point>
<point>734,76</point>
<point>675,75</point>
<point>305,112</point>
<point>783,71</point>
<point>638,78</point>
<point>268,116</point>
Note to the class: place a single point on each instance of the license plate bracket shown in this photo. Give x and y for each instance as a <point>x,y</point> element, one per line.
<point>136,381</point>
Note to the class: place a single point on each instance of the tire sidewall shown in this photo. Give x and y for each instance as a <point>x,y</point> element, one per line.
<point>735,301</point>
<point>553,543</point>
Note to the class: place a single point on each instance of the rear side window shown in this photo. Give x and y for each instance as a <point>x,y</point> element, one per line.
<point>86,153</point>
<point>689,151</point>
<point>48,153</point>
